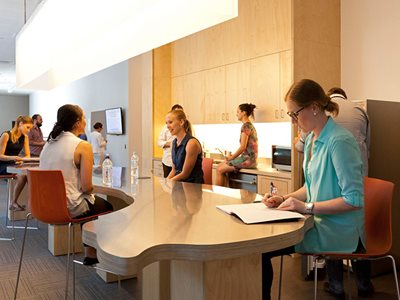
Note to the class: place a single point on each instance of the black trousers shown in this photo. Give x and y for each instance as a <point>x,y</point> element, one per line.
<point>166,170</point>
<point>100,206</point>
<point>268,272</point>
<point>334,268</point>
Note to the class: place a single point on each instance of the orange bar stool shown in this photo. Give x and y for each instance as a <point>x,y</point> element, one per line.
<point>207,170</point>
<point>47,203</point>
<point>8,179</point>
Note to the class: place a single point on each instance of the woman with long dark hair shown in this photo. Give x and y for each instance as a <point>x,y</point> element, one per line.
<point>65,151</point>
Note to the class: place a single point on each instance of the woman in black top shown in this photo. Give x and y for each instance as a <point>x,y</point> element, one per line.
<point>186,150</point>
<point>11,144</point>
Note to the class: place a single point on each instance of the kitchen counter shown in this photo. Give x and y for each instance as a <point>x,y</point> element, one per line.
<point>264,168</point>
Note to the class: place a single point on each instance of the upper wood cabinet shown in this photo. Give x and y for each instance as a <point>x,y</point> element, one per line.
<point>215,101</point>
<point>189,91</point>
<point>237,91</point>
<point>238,61</point>
<point>212,96</point>
<point>255,58</point>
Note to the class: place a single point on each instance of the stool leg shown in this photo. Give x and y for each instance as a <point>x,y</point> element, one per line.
<point>280,279</point>
<point>73,258</point>
<point>315,277</point>
<point>22,254</point>
<point>395,275</point>
<point>69,251</point>
<point>12,214</point>
<point>348,277</point>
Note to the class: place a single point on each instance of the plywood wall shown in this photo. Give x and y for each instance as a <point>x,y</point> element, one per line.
<point>161,92</point>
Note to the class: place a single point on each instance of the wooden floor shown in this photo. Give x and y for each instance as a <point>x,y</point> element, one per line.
<point>43,275</point>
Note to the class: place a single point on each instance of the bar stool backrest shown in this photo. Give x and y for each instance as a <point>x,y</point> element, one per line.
<point>207,170</point>
<point>47,196</point>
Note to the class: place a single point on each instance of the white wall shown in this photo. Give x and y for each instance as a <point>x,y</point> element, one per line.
<point>370,49</point>
<point>105,89</point>
<point>11,108</point>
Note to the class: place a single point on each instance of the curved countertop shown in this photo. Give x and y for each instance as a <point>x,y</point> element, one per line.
<point>179,221</point>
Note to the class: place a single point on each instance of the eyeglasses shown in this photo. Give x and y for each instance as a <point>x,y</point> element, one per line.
<point>295,115</point>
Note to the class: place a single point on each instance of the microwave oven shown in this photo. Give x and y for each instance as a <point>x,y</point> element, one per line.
<point>282,158</point>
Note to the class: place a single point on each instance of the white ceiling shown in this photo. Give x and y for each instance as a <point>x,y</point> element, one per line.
<point>12,18</point>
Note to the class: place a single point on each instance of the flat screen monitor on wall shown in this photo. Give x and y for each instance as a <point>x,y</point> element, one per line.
<point>114,121</point>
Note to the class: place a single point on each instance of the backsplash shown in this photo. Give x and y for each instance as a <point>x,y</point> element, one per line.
<point>226,136</point>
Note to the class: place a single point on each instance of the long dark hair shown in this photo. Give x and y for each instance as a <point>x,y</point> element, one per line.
<point>67,116</point>
<point>306,92</point>
<point>248,108</point>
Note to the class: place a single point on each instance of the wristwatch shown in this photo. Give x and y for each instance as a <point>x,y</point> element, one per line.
<point>309,207</point>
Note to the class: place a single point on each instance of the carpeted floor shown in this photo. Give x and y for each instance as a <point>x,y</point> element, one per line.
<point>43,275</point>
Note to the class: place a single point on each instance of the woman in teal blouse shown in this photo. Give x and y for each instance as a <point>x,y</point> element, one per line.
<point>334,186</point>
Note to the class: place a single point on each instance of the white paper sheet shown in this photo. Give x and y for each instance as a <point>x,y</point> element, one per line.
<point>257,213</point>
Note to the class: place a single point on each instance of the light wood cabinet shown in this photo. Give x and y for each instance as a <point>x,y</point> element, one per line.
<point>214,176</point>
<point>264,183</point>
<point>264,87</point>
<point>239,62</point>
<point>237,78</point>
<point>215,95</point>
<point>189,92</point>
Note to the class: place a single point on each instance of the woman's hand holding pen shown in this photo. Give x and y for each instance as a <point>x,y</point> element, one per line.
<point>272,200</point>
<point>281,203</point>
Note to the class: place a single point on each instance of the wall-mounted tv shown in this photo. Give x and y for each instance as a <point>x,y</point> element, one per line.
<point>114,120</point>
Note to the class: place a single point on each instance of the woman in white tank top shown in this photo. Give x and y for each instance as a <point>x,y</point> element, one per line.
<point>65,151</point>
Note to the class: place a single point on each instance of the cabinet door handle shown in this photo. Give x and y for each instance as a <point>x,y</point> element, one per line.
<point>243,181</point>
<point>282,113</point>
<point>276,114</point>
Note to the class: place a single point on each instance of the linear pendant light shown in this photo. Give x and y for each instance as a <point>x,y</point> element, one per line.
<point>65,40</point>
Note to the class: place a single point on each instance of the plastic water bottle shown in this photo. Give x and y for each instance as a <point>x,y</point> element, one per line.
<point>107,171</point>
<point>134,168</point>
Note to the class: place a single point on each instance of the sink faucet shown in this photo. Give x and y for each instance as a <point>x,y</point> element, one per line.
<point>220,151</point>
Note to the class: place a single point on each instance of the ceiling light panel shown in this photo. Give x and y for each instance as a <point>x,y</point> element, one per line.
<point>68,39</point>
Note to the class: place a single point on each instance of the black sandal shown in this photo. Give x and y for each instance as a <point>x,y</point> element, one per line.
<point>90,261</point>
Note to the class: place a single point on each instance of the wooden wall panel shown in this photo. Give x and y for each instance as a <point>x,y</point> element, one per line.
<point>316,51</point>
<point>265,85</point>
<point>317,41</point>
<point>317,21</point>
<point>263,27</point>
<point>161,92</point>
<point>317,61</point>
<point>140,107</point>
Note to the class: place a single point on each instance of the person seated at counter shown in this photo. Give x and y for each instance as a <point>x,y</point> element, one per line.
<point>11,144</point>
<point>186,150</point>
<point>246,155</point>
<point>65,151</point>
<point>164,141</point>
<point>333,191</point>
